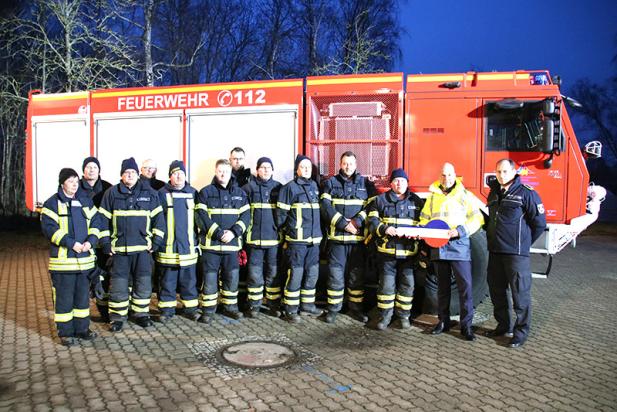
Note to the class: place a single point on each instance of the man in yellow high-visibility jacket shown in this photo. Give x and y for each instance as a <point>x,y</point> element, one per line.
<point>452,203</point>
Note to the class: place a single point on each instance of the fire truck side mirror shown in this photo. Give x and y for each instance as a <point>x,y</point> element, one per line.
<point>548,133</point>
<point>548,107</point>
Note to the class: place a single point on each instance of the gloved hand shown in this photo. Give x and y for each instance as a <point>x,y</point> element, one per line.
<point>242,258</point>
<point>96,284</point>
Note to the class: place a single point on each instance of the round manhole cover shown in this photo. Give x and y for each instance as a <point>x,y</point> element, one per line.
<point>257,354</point>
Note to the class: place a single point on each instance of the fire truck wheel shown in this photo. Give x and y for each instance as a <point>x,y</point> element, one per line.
<point>479,262</point>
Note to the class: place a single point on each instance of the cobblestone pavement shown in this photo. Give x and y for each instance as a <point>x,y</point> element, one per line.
<point>568,363</point>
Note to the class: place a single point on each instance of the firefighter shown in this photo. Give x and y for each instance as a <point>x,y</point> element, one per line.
<point>451,202</point>
<point>343,200</point>
<point>176,261</point>
<point>263,240</point>
<point>241,174</point>
<point>148,175</point>
<point>516,220</point>
<point>91,183</point>
<point>135,220</point>
<point>72,225</point>
<point>94,187</point>
<point>397,208</point>
<point>297,215</point>
<point>222,216</point>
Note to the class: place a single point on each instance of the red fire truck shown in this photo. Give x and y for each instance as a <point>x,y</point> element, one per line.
<point>469,119</point>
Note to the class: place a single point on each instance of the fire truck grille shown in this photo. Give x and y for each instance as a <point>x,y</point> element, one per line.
<point>363,124</point>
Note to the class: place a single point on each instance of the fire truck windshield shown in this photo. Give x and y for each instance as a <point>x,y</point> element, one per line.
<point>515,129</point>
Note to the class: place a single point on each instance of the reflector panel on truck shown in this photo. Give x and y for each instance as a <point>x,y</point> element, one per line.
<point>270,132</point>
<point>147,137</point>
<point>57,144</point>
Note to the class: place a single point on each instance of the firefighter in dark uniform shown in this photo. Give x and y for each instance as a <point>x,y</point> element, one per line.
<point>148,175</point>
<point>94,187</point>
<point>240,173</point>
<point>298,216</point>
<point>516,220</point>
<point>72,225</point>
<point>176,261</point>
<point>397,208</point>
<point>222,216</point>
<point>263,240</point>
<point>343,200</point>
<point>135,220</point>
<point>449,201</point>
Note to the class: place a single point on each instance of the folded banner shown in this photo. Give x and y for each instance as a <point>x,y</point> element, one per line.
<point>435,233</point>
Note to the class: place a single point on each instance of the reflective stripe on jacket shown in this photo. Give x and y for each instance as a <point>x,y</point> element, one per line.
<point>134,218</point>
<point>458,208</point>
<point>180,242</point>
<point>262,197</point>
<point>297,211</point>
<point>388,210</point>
<point>218,209</point>
<point>65,221</point>
<point>344,200</point>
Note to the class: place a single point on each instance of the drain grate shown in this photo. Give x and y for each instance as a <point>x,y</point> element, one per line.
<point>232,359</point>
<point>257,354</point>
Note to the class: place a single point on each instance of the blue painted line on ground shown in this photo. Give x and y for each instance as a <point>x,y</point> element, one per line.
<point>335,387</point>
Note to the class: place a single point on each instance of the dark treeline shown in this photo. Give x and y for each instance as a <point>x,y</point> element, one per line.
<point>70,45</point>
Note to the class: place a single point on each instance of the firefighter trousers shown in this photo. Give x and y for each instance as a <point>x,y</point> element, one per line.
<point>301,277</point>
<point>258,259</point>
<point>102,303</point>
<point>462,275</point>
<point>134,271</point>
<point>514,272</point>
<point>211,264</point>
<point>396,283</point>
<point>174,279</point>
<point>347,263</point>
<point>71,296</point>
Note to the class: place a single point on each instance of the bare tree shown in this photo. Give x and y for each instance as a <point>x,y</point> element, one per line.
<point>54,46</point>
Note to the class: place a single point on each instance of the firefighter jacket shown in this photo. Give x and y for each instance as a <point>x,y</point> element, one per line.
<point>242,176</point>
<point>262,196</point>
<point>134,218</point>
<point>297,212</point>
<point>64,222</point>
<point>218,209</point>
<point>458,208</point>
<point>516,218</point>
<point>153,182</point>
<point>388,210</point>
<point>345,198</point>
<point>180,241</point>
<point>93,192</point>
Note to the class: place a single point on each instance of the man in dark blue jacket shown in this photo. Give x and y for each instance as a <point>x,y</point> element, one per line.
<point>297,215</point>
<point>222,216</point>
<point>343,201</point>
<point>516,220</point>
<point>135,220</point>
<point>92,186</point>
<point>176,261</point>
<point>263,240</point>
<point>71,224</point>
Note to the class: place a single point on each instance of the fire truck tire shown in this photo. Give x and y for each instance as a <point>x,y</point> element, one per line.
<point>479,261</point>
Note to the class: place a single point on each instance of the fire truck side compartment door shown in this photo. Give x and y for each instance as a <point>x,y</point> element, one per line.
<point>260,132</point>
<point>57,144</point>
<point>443,130</point>
<point>142,137</point>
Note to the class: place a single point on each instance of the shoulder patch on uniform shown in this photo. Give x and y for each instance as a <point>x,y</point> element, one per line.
<point>541,208</point>
<point>528,187</point>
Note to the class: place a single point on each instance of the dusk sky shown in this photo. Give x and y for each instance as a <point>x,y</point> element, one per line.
<point>571,38</point>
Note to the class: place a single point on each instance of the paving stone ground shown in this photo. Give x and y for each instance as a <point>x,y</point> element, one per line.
<point>568,363</point>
